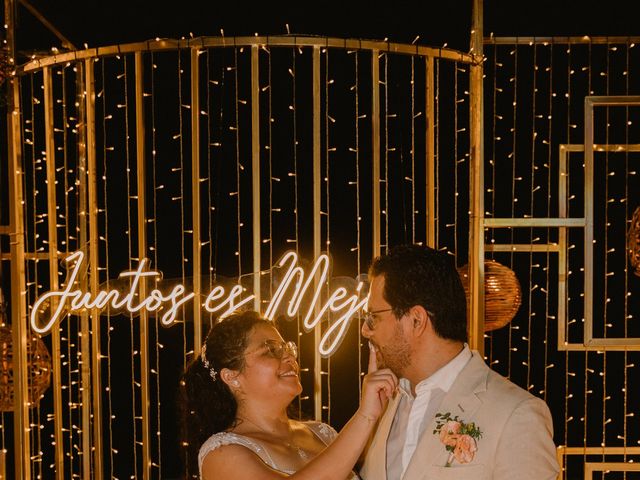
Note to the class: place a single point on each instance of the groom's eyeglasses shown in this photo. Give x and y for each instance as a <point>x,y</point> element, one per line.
<point>277,349</point>
<point>370,317</point>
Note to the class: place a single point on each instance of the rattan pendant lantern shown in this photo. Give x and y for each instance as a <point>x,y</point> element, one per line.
<point>633,242</point>
<point>38,361</point>
<point>502,294</point>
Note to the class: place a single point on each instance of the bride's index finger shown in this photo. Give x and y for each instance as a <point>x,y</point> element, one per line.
<point>373,362</point>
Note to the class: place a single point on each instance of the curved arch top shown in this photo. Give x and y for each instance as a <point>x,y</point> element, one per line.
<point>261,41</point>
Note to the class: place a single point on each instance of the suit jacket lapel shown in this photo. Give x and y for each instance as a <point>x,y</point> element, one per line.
<point>375,467</point>
<point>462,401</point>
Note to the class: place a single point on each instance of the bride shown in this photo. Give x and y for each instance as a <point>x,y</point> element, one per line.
<point>234,400</point>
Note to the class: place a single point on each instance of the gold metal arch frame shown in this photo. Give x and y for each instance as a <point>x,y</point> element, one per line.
<point>94,416</point>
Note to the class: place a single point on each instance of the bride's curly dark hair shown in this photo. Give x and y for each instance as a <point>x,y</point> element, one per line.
<point>207,406</point>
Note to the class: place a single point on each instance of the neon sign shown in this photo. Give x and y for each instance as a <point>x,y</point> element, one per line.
<point>295,286</point>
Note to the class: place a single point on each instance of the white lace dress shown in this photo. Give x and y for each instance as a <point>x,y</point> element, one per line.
<point>323,431</point>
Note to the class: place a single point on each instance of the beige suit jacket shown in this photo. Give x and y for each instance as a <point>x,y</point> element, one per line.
<point>517,433</point>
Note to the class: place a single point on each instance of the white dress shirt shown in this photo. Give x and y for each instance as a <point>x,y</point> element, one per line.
<point>415,414</point>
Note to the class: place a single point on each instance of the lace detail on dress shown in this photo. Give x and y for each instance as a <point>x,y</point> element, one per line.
<point>324,432</point>
<point>229,438</point>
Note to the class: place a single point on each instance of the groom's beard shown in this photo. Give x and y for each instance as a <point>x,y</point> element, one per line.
<point>395,355</point>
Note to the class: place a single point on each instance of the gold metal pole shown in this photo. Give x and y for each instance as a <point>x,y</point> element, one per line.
<point>588,216</point>
<point>27,255</point>
<point>195,199</point>
<point>85,334</point>
<point>562,40</point>
<point>21,429</point>
<point>430,151</point>
<point>255,172</point>
<point>533,222</point>
<point>317,228</point>
<point>53,270</point>
<point>476,177</point>
<point>375,150</point>
<point>142,253</point>
<point>94,263</point>
<point>563,271</point>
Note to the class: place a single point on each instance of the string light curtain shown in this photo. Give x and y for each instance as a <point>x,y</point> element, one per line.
<point>574,341</point>
<point>212,157</point>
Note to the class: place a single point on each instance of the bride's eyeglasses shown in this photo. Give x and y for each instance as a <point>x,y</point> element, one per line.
<point>277,349</point>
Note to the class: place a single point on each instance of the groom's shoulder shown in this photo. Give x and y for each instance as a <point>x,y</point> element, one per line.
<point>497,387</point>
<point>500,388</point>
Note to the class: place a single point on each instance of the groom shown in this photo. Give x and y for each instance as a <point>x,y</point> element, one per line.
<point>453,417</point>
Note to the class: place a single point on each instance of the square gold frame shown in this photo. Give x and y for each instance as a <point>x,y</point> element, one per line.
<point>589,343</point>
<point>591,467</point>
<point>563,222</point>
<point>589,104</point>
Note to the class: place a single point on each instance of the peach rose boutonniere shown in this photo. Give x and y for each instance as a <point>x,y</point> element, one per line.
<point>458,437</point>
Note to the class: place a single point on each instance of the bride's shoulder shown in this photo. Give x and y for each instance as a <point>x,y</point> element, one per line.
<point>224,438</point>
<point>222,452</point>
<point>220,439</point>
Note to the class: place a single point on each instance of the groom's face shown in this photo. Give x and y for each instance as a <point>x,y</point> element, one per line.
<point>385,331</point>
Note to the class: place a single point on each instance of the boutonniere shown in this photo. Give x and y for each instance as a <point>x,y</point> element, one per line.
<point>458,437</point>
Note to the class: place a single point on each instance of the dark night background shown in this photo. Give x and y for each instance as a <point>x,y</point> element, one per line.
<point>437,23</point>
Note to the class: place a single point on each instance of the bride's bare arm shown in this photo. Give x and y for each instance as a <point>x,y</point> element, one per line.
<point>335,461</point>
<point>339,458</point>
<point>237,462</point>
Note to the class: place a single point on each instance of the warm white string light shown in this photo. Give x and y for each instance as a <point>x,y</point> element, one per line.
<point>532,175</point>
<point>329,121</point>
<point>548,259</point>
<point>66,242</point>
<point>384,180</point>
<point>514,199</point>
<point>436,156</point>
<point>134,350</point>
<point>105,211</point>
<point>153,247</point>
<point>239,166</point>
<point>31,276</point>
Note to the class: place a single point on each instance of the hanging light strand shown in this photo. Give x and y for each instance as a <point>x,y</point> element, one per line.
<point>533,289</point>
<point>514,199</point>
<point>130,255</point>
<point>327,153</point>
<point>153,246</point>
<point>105,211</point>
<point>547,314</point>
<point>356,104</point>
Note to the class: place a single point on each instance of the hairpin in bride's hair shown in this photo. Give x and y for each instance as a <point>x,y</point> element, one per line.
<point>205,362</point>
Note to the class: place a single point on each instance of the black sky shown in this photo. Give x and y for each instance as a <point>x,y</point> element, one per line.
<point>101,23</point>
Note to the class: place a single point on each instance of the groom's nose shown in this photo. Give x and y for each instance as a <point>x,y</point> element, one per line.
<point>366,332</point>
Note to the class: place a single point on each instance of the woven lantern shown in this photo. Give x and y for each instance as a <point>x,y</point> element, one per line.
<point>6,66</point>
<point>502,295</point>
<point>39,368</point>
<point>633,242</point>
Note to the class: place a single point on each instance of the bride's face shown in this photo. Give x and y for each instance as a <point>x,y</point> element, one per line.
<point>271,369</point>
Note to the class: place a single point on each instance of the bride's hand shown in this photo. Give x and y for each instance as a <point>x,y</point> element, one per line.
<point>378,387</point>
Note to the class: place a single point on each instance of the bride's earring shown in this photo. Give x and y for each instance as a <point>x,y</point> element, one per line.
<point>235,383</point>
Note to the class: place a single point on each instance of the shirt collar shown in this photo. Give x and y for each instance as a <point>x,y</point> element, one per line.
<point>442,378</point>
